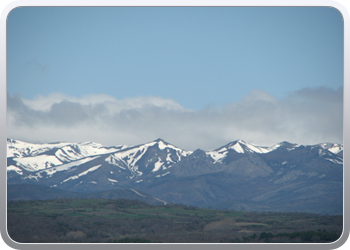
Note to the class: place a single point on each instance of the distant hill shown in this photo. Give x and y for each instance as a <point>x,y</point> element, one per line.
<point>39,192</point>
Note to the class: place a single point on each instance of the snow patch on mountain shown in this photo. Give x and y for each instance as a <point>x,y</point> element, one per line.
<point>16,169</point>
<point>217,156</point>
<point>237,147</point>
<point>261,149</point>
<point>158,165</point>
<point>129,157</point>
<point>168,159</point>
<point>38,162</point>
<point>78,151</point>
<point>114,160</point>
<point>332,147</point>
<point>112,180</point>
<point>161,175</point>
<point>16,148</point>
<point>83,173</point>
<point>241,146</point>
<point>64,167</point>
<point>337,161</point>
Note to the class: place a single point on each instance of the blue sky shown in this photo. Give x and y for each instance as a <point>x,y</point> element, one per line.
<point>197,58</point>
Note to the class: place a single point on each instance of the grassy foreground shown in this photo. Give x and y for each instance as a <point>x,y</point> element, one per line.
<point>128,221</point>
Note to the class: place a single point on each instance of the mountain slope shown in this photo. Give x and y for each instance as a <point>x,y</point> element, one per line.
<point>283,177</point>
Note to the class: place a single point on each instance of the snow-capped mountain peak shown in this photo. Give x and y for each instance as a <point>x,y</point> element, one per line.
<point>36,156</point>
<point>150,157</point>
<point>241,146</point>
<point>16,148</point>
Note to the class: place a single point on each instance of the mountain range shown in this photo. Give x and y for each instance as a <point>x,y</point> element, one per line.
<point>238,175</point>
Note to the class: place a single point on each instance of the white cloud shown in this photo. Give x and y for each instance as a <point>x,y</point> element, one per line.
<point>257,95</point>
<point>308,116</point>
<point>44,103</point>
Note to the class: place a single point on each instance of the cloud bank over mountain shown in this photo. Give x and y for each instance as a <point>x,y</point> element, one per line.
<point>307,116</point>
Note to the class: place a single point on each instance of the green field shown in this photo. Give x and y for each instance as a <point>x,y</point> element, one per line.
<point>122,221</point>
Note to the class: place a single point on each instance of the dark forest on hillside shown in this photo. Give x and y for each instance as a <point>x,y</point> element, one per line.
<point>127,221</point>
